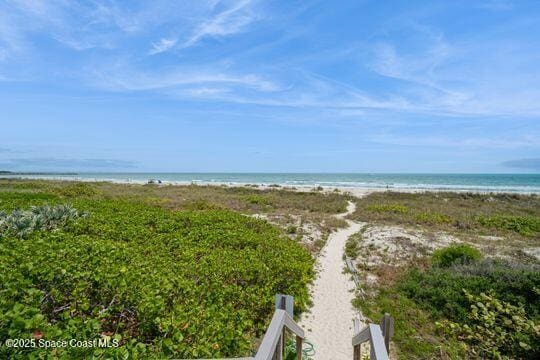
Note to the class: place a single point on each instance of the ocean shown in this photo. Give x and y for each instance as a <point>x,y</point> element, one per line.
<point>519,183</point>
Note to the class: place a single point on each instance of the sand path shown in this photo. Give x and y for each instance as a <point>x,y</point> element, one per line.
<point>329,325</point>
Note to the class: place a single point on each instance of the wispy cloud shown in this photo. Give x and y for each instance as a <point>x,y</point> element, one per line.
<point>437,78</point>
<point>479,76</point>
<point>525,164</point>
<point>215,24</point>
<point>162,45</point>
<point>51,163</point>
<point>109,24</point>
<point>68,23</point>
<point>435,141</point>
<point>11,40</point>
<point>476,75</point>
<point>229,21</point>
<point>208,80</point>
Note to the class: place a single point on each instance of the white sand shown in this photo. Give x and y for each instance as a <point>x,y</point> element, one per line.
<point>329,325</point>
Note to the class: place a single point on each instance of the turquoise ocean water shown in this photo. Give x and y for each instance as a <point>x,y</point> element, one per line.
<point>529,183</point>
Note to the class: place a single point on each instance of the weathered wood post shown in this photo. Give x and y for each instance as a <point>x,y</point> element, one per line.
<point>387,328</point>
<point>281,347</point>
<point>284,302</point>
<point>283,306</point>
<point>283,341</point>
<point>357,349</point>
<point>298,348</point>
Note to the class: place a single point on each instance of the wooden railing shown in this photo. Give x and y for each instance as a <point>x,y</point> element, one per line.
<point>378,337</point>
<point>273,343</point>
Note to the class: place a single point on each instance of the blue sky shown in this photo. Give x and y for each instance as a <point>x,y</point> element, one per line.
<point>248,85</point>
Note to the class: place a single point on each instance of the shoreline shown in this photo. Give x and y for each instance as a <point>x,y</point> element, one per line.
<point>357,190</point>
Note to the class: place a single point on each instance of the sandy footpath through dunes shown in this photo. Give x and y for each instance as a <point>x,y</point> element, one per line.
<point>329,325</point>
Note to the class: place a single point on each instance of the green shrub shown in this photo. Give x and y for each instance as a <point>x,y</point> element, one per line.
<point>524,225</point>
<point>291,229</point>
<point>388,208</point>
<point>415,333</point>
<point>513,290</point>
<point>456,253</point>
<point>352,247</point>
<point>200,204</point>
<point>167,284</point>
<point>496,329</point>
<point>440,290</point>
<point>257,200</point>
<point>432,218</point>
<point>77,189</point>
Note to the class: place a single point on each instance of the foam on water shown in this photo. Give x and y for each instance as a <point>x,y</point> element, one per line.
<point>520,183</point>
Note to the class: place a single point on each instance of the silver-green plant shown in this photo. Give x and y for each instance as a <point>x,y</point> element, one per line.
<point>21,223</point>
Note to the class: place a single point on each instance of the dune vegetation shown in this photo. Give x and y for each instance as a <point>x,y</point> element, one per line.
<point>164,271</point>
<point>497,222</point>
<point>307,216</point>
<point>463,309</point>
<point>477,297</point>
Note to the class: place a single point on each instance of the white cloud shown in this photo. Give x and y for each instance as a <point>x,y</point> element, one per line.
<point>206,91</point>
<point>196,81</point>
<point>162,45</point>
<point>428,73</point>
<point>12,41</point>
<point>227,22</point>
<point>107,24</point>
<point>479,76</point>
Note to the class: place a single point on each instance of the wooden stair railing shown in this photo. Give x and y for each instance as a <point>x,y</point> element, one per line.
<point>378,337</point>
<point>273,344</point>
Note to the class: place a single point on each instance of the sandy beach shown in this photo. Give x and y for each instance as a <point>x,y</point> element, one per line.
<point>359,190</point>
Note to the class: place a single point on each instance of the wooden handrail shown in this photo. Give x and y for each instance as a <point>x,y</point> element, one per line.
<point>379,342</point>
<point>373,334</point>
<point>273,342</point>
<point>272,346</point>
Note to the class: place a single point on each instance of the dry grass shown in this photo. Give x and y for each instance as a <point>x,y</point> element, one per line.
<point>495,222</point>
<point>461,208</point>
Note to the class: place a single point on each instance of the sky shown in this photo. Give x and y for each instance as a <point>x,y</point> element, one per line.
<point>270,86</point>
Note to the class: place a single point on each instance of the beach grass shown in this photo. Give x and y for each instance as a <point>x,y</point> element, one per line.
<point>498,221</point>
<point>446,210</point>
